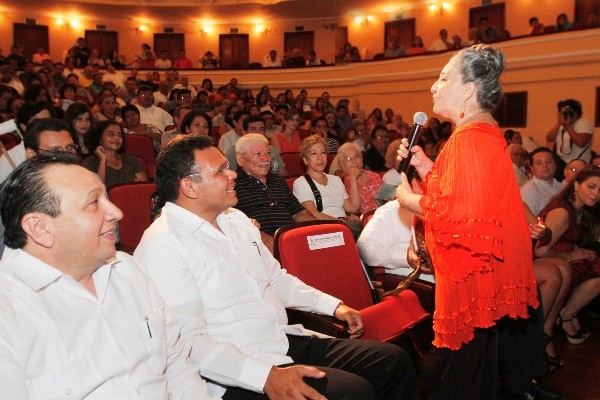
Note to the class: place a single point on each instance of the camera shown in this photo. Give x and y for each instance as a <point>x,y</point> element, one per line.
<point>568,113</point>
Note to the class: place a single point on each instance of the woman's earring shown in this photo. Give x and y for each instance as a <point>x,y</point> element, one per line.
<point>462,114</point>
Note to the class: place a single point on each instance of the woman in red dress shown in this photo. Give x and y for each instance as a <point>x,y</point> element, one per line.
<point>475,225</point>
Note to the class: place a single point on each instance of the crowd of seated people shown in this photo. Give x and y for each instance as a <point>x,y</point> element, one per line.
<point>252,131</point>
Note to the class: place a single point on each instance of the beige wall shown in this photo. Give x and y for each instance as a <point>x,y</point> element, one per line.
<point>550,68</point>
<point>369,38</point>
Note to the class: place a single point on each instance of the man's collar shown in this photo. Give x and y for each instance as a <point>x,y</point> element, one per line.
<point>37,274</point>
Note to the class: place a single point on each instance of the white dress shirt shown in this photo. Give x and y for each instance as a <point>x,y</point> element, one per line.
<point>227,283</point>
<point>384,241</point>
<point>117,78</point>
<point>537,193</point>
<point>155,116</point>
<point>59,341</point>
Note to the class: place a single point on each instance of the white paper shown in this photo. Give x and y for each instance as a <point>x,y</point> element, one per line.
<point>325,241</point>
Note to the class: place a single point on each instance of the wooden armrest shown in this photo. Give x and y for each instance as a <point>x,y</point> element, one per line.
<point>425,291</point>
<point>325,324</point>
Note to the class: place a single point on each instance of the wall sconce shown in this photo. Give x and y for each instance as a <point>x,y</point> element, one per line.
<point>73,23</point>
<point>259,28</point>
<point>332,27</point>
<point>440,7</point>
<point>205,30</point>
<point>138,29</point>
<point>364,20</point>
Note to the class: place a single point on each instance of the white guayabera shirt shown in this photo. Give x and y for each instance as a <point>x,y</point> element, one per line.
<point>58,341</point>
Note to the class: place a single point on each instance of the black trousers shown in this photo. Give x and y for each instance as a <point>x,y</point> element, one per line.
<point>521,351</point>
<point>471,372</point>
<point>355,369</point>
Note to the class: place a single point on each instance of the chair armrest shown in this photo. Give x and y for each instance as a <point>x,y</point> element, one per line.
<point>324,324</point>
<point>393,317</point>
<point>425,290</point>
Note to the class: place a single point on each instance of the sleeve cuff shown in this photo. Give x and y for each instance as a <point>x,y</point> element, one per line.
<point>327,304</point>
<point>254,374</point>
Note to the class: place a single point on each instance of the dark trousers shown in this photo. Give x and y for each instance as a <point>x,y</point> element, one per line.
<point>355,369</point>
<point>521,351</point>
<point>471,372</point>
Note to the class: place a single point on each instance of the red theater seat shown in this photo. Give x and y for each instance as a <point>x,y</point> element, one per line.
<point>337,270</point>
<point>134,201</point>
<point>142,147</point>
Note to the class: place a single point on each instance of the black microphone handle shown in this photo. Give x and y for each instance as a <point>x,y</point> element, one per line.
<point>412,140</point>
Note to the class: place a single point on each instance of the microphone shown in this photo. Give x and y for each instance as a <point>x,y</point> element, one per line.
<point>420,119</point>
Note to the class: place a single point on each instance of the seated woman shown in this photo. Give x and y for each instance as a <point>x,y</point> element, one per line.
<point>323,195</point>
<point>417,47</point>
<point>132,125</point>
<point>319,127</point>
<point>332,131</point>
<point>368,182</point>
<point>79,119</point>
<point>108,109</point>
<point>228,124</point>
<point>288,140</point>
<point>319,109</point>
<point>392,176</point>
<point>196,123</point>
<point>572,216</point>
<point>106,138</point>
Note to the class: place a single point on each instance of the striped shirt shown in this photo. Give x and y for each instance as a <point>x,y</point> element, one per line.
<point>273,205</point>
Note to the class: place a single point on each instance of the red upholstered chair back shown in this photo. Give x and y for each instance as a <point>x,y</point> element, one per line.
<point>334,270</point>
<point>134,201</point>
<point>290,182</point>
<point>366,217</point>
<point>303,134</point>
<point>8,140</point>
<point>214,133</point>
<point>142,147</point>
<point>293,164</point>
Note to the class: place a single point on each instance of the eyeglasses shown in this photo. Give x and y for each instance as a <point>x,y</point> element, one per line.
<point>381,137</point>
<point>71,148</point>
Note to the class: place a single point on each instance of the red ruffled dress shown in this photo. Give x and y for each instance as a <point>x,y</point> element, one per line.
<point>477,235</point>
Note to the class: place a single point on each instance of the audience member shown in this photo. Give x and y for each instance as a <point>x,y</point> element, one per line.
<point>385,240</point>
<point>572,216</point>
<point>182,62</point>
<point>297,59</point>
<point>288,140</point>
<point>194,252</point>
<point>486,33</point>
<point>312,58</point>
<point>106,140</point>
<point>178,116</point>
<point>537,28</point>
<point>40,56</point>
<point>442,43</point>
<point>543,186</point>
<point>368,182</point>
<point>163,62</point>
<point>272,61</point>
<point>562,23</point>
<point>374,158</point>
<point>229,139</point>
<point>517,156</point>
<point>253,129</point>
<point>572,134</point>
<point>79,120</point>
<point>132,125</point>
<point>417,46</point>
<point>324,195</point>
<point>81,53</point>
<point>394,49</point>
<point>209,61</point>
<point>263,196</point>
<point>71,289</point>
<point>149,113</point>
